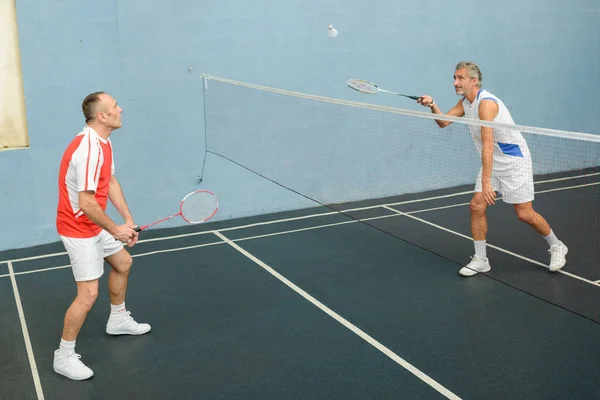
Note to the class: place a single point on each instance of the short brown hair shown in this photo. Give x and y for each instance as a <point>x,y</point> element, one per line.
<point>89,105</point>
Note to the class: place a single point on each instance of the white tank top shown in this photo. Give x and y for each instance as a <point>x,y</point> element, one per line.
<point>510,148</point>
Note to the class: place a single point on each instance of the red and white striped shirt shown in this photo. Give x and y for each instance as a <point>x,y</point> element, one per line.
<point>87,164</point>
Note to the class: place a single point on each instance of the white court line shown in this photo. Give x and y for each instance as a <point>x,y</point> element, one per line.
<point>247,226</point>
<point>64,253</point>
<point>498,198</point>
<point>177,249</point>
<point>368,208</point>
<point>396,214</point>
<point>412,369</point>
<point>567,178</point>
<point>303,217</point>
<point>33,271</point>
<point>568,187</point>
<point>319,215</point>
<point>471,192</point>
<point>493,247</point>
<point>34,371</point>
<point>310,228</point>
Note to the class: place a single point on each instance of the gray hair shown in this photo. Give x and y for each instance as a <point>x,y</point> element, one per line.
<point>472,70</point>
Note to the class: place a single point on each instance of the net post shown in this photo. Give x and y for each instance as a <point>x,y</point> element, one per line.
<point>204,89</point>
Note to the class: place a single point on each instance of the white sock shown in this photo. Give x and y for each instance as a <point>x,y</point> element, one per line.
<point>480,248</point>
<point>117,309</point>
<point>551,239</point>
<point>67,346</point>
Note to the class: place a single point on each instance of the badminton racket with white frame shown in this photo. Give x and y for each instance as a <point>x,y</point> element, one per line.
<point>364,86</point>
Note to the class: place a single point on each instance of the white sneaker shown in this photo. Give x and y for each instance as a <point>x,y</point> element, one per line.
<point>69,365</point>
<point>123,324</point>
<point>477,264</point>
<point>557,256</point>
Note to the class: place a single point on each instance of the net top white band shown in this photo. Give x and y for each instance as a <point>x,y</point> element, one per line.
<point>461,120</point>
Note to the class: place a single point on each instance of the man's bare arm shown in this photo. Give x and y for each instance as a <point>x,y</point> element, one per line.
<point>456,111</point>
<point>117,198</point>
<point>91,208</point>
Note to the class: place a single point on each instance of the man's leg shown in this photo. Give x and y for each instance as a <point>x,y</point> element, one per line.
<point>479,262</point>
<point>87,293</point>
<point>478,208</point>
<point>119,275</point>
<point>527,214</point>
<point>120,322</point>
<point>558,250</point>
<point>66,361</point>
<point>86,262</point>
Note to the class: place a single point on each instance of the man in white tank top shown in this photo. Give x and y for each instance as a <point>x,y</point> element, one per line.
<point>506,166</point>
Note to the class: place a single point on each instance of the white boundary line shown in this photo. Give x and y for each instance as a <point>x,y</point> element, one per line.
<point>568,187</point>
<point>498,198</point>
<point>492,246</point>
<point>412,369</point>
<point>64,253</point>
<point>567,178</point>
<point>331,313</point>
<point>34,371</point>
<point>396,213</point>
<point>33,271</point>
<point>210,244</point>
<point>385,206</point>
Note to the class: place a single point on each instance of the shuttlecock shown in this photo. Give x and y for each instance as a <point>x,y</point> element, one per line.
<point>332,32</point>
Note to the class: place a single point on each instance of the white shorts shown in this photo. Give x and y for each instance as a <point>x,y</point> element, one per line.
<point>514,189</point>
<point>87,255</point>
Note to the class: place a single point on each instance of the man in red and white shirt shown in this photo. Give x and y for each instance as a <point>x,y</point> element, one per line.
<point>86,182</point>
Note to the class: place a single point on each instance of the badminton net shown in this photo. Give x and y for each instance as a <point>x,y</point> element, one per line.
<point>349,155</point>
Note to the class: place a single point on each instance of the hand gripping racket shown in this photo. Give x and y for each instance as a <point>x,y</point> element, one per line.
<point>370,88</point>
<point>196,207</point>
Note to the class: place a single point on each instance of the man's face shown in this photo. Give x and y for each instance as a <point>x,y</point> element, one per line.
<point>462,82</point>
<point>110,112</point>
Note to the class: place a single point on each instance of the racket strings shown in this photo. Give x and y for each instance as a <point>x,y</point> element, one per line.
<point>362,86</point>
<point>199,206</point>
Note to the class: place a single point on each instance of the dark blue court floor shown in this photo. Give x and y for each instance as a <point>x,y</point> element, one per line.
<point>253,312</point>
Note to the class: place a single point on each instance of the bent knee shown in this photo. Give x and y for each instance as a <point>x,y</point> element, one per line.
<point>478,204</point>
<point>123,264</point>
<point>526,216</point>
<point>88,295</point>
<point>127,262</point>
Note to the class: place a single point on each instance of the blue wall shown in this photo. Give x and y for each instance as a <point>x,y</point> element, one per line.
<point>544,62</point>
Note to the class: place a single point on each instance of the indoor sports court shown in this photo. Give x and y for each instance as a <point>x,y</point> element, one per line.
<point>333,200</point>
<point>321,304</point>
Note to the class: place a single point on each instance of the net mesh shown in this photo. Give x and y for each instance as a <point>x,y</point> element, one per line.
<point>334,151</point>
<point>346,155</point>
